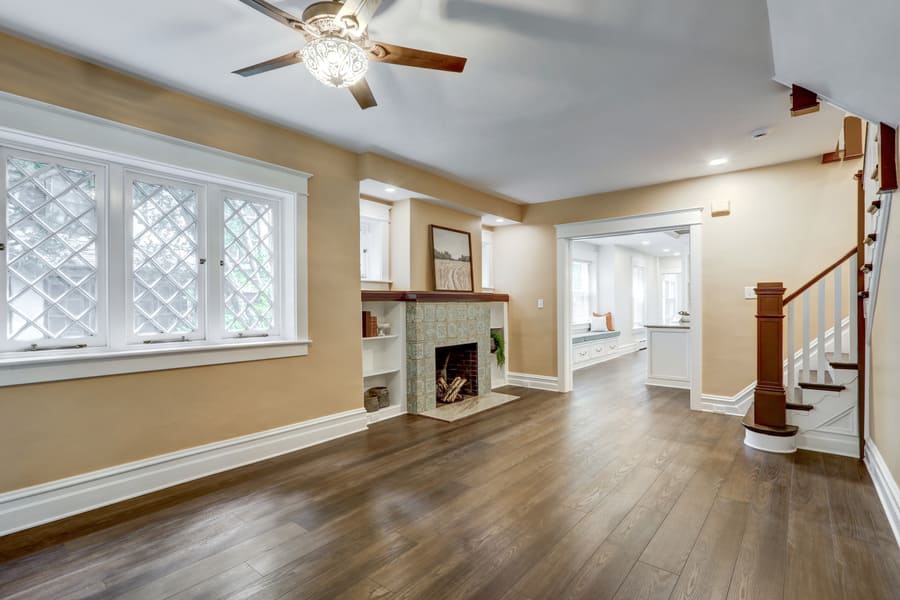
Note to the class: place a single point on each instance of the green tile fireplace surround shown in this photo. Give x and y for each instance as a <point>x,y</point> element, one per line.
<point>431,325</point>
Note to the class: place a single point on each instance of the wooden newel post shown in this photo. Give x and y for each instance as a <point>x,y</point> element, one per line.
<point>769,398</point>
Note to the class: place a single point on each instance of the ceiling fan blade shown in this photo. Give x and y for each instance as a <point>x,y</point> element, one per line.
<point>273,12</point>
<point>363,94</point>
<point>361,10</point>
<point>269,65</point>
<point>411,57</point>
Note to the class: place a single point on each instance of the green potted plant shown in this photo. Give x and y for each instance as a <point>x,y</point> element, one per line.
<point>497,348</point>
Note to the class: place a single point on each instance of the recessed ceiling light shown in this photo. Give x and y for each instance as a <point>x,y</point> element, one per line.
<point>645,243</point>
<point>666,250</point>
<point>718,162</point>
<point>390,190</point>
<point>499,220</point>
<point>677,254</point>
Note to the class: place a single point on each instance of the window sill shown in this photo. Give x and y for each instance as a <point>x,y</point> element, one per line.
<point>16,369</point>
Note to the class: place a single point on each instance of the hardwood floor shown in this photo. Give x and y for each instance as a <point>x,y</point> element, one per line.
<point>614,491</point>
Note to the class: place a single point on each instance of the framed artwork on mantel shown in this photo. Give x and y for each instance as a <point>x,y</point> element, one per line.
<point>452,252</point>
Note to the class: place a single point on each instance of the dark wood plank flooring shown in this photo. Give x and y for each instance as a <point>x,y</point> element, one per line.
<point>614,491</point>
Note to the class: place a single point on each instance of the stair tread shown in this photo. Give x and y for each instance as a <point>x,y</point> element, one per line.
<point>749,422</point>
<point>841,361</point>
<point>813,380</point>
<point>796,406</point>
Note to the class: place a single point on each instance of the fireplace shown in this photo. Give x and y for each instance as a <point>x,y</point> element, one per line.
<point>456,372</point>
<point>435,328</point>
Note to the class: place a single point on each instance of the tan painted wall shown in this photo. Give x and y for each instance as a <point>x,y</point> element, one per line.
<point>884,415</point>
<point>54,430</point>
<point>787,222</point>
<point>421,265</point>
<point>525,266</point>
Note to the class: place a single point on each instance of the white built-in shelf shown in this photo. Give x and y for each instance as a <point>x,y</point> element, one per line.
<point>380,337</point>
<point>377,372</point>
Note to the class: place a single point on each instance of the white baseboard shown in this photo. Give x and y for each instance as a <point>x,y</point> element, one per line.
<point>385,413</point>
<point>537,382</point>
<point>736,405</point>
<point>770,443</point>
<point>829,443</point>
<point>678,383</point>
<point>36,505</point>
<point>885,485</point>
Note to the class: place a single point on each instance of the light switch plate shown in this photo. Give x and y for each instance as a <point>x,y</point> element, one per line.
<point>749,292</point>
<point>540,303</point>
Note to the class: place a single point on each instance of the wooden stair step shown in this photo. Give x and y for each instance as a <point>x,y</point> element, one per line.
<point>813,380</point>
<point>750,423</point>
<point>840,361</point>
<point>795,406</point>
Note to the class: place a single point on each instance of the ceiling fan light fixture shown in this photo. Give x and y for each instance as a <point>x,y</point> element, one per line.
<point>334,61</point>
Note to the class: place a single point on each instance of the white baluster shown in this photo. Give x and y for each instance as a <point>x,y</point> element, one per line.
<point>838,312</point>
<point>820,338</point>
<point>804,339</point>
<point>854,296</point>
<point>792,360</point>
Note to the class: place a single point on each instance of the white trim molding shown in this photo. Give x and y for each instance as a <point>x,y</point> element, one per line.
<point>36,505</point>
<point>536,382</point>
<point>730,405</point>
<point>885,485</point>
<point>770,443</point>
<point>567,233</point>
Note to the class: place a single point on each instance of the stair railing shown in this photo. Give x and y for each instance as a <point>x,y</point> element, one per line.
<point>770,398</point>
<point>834,271</point>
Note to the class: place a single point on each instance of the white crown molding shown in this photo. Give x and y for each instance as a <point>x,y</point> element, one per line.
<point>885,485</point>
<point>36,505</point>
<point>536,382</point>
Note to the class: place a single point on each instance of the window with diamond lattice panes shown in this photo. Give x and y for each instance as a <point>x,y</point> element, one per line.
<point>166,285</point>
<point>249,265</point>
<point>52,257</point>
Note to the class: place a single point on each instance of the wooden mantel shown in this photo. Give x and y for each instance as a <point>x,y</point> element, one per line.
<point>406,296</point>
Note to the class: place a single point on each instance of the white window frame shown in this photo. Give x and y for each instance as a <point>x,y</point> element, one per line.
<point>112,147</point>
<point>577,325</point>
<point>639,321</point>
<point>216,322</point>
<point>101,176</point>
<point>487,259</point>
<point>375,213</point>
<point>203,214</point>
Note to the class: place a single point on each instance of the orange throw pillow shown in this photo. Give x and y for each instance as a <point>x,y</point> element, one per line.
<point>609,320</point>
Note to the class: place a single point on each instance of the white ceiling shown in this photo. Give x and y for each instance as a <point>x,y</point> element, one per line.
<point>845,51</point>
<point>654,243</point>
<point>559,99</point>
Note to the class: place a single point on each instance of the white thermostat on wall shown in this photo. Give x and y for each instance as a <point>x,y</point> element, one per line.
<point>750,292</point>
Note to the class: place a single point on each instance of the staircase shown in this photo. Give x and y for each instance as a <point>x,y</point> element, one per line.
<point>812,344</point>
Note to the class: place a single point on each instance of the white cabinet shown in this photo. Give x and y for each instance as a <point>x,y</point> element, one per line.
<point>669,363</point>
<point>589,349</point>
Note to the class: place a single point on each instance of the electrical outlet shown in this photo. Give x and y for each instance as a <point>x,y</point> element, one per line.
<point>540,303</point>
<point>750,292</point>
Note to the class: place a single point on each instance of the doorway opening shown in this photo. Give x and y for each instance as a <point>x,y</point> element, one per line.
<point>628,285</point>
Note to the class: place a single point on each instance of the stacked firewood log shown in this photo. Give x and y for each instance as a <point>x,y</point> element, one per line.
<point>449,393</point>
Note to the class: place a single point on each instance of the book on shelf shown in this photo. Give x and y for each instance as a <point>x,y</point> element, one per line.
<point>369,324</point>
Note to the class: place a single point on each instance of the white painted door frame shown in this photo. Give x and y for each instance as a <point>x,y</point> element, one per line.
<point>691,218</point>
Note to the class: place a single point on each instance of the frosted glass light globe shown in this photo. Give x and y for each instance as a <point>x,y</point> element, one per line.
<point>335,61</point>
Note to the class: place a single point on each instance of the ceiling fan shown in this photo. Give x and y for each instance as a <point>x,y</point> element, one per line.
<point>338,48</point>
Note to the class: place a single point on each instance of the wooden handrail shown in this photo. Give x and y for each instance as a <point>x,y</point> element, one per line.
<point>817,278</point>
